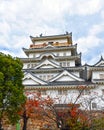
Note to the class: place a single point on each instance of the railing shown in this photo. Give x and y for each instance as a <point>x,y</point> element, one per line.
<point>53,44</point>
<point>38,46</point>
<point>60,44</point>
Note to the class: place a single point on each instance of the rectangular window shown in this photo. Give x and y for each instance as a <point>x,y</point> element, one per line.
<point>33,55</point>
<point>68,64</point>
<point>50,43</point>
<point>43,92</point>
<point>59,92</point>
<point>48,77</point>
<point>94,105</point>
<point>44,77</point>
<point>64,64</point>
<point>64,54</point>
<point>57,54</point>
<point>60,64</point>
<point>28,65</point>
<point>40,76</point>
<point>101,76</point>
<point>102,91</point>
<point>32,65</point>
<point>62,92</point>
<point>86,92</point>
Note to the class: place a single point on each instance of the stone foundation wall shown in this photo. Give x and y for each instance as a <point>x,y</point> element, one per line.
<point>31,125</point>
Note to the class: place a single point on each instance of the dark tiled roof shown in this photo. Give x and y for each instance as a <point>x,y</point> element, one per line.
<point>70,83</point>
<point>41,37</point>
<point>66,105</point>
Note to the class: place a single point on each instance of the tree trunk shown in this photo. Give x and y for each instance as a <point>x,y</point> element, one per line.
<point>25,119</point>
<point>1,125</point>
<point>25,123</point>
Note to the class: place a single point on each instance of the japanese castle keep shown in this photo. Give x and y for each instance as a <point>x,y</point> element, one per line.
<point>54,66</point>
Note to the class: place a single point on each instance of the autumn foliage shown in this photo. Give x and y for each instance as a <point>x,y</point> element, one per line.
<point>44,108</point>
<point>35,107</point>
<point>30,109</point>
<point>65,117</point>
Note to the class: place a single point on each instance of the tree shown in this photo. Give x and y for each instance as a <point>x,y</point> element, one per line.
<point>38,106</point>
<point>60,110</point>
<point>11,88</point>
<point>98,123</point>
<point>71,115</point>
<point>63,115</point>
<point>93,108</point>
<point>34,108</point>
<point>30,109</point>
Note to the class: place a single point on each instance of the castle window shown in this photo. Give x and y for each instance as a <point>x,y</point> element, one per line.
<point>48,77</point>
<point>64,54</point>
<point>44,77</point>
<point>86,92</point>
<point>32,65</point>
<point>60,64</point>
<point>40,76</point>
<point>43,92</point>
<point>62,92</point>
<point>28,65</point>
<point>50,43</point>
<point>57,54</point>
<point>101,76</point>
<point>94,105</point>
<point>33,55</point>
<point>65,92</point>
<point>64,64</point>
<point>35,65</point>
<point>102,91</point>
<point>68,64</point>
<point>59,92</point>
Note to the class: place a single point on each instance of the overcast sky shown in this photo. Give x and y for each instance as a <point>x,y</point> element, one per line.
<point>84,18</point>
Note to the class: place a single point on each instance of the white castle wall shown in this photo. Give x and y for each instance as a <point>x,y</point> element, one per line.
<point>97,74</point>
<point>76,74</point>
<point>86,99</point>
<point>56,53</point>
<point>72,63</point>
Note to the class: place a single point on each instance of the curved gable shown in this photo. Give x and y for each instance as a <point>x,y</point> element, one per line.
<point>66,76</point>
<point>47,64</point>
<point>100,62</point>
<point>49,46</point>
<point>30,79</point>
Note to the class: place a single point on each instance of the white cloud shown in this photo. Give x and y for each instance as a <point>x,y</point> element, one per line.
<point>4,28</point>
<point>86,7</point>
<point>92,40</point>
<point>79,7</point>
<point>96,29</point>
<point>21,18</point>
<point>3,42</point>
<point>87,42</point>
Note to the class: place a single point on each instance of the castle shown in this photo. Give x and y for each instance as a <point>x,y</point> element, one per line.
<point>53,67</point>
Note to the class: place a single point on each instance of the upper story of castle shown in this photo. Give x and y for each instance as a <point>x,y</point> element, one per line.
<point>58,49</point>
<point>54,40</point>
<point>55,43</point>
